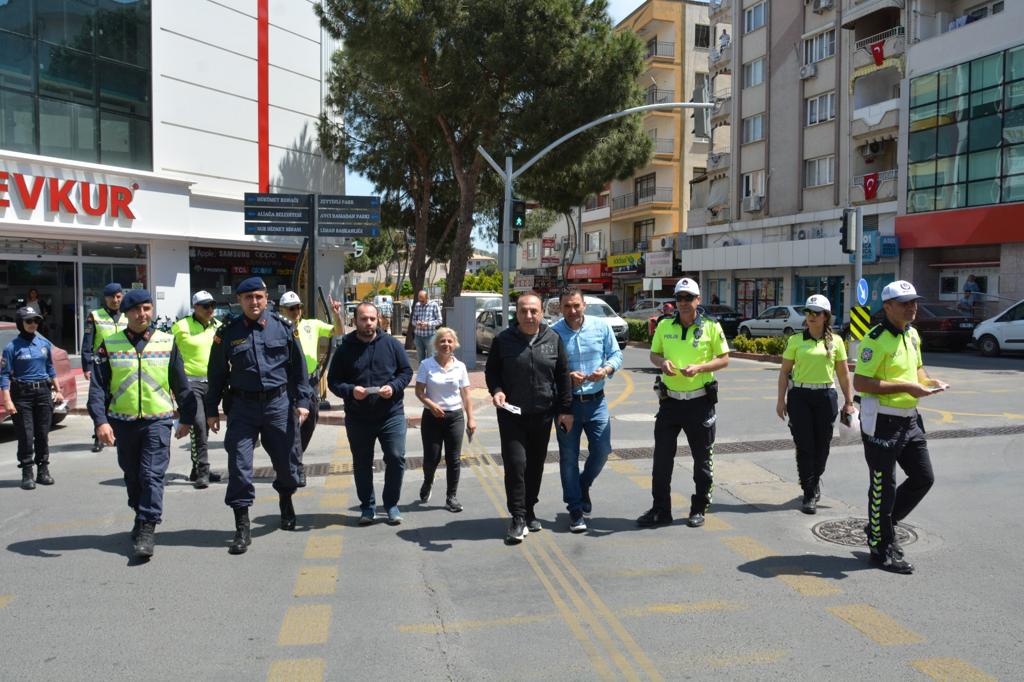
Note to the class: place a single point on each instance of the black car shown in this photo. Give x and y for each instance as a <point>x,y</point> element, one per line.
<point>938,325</point>
<point>726,316</point>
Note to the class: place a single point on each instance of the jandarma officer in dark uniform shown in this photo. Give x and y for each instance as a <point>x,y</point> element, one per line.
<point>810,364</point>
<point>687,348</point>
<point>890,378</point>
<point>257,364</point>
<point>99,324</point>
<point>27,376</point>
<point>194,337</point>
<point>135,372</point>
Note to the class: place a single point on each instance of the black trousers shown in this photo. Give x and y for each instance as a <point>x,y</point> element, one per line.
<point>811,415</point>
<point>897,440</point>
<point>309,426</point>
<point>696,418</point>
<point>443,432</point>
<point>200,431</point>
<point>524,447</point>
<point>34,407</point>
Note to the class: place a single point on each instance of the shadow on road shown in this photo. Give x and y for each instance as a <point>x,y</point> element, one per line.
<point>975,361</point>
<point>818,565</point>
<point>442,538</point>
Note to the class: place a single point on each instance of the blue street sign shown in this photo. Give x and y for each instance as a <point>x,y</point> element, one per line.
<point>862,292</point>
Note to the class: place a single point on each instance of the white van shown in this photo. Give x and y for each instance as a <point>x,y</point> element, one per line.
<point>593,307</point>
<point>484,299</point>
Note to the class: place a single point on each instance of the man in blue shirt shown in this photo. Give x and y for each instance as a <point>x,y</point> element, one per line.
<point>594,356</point>
<point>426,318</point>
<point>26,377</point>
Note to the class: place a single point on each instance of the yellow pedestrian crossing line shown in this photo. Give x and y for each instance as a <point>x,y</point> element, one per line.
<point>314,581</point>
<point>337,482</point>
<point>655,571</point>
<point>5,599</point>
<point>334,501</point>
<point>951,670</point>
<point>747,547</point>
<point>875,625</point>
<point>464,625</point>
<point>297,670</point>
<point>305,625</point>
<point>685,607</point>
<point>323,547</point>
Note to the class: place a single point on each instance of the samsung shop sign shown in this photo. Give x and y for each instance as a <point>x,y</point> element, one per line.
<point>29,195</point>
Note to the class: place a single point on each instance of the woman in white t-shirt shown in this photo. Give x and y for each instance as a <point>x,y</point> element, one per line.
<point>442,385</point>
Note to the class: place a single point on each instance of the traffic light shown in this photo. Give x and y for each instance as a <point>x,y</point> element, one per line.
<point>848,231</point>
<point>518,219</point>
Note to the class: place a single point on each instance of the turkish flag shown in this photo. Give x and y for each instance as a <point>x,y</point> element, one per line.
<point>878,52</point>
<point>871,185</point>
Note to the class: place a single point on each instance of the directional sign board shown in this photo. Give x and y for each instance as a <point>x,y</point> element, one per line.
<point>339,215</point>
<point>278,214</point>
<point>862,291</point>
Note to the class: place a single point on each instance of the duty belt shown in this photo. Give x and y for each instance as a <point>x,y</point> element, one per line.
<point>201,380</point>
<point>680,395</point>
<point>897,411</point>
<point>814,387</point>
<point>261,396</point>
<point>31,384</point>
<point>585,397</point>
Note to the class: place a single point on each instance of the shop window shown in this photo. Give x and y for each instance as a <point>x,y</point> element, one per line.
<point>954,81</point>
<point>1013,160</point>
<point>110,250</point>
<point>950,170</point>
<point>951,139</point>
<point>922,145</point>
<point>67,74</point>
<point>124,88</point>
<point>983,193</point>
<point>1013,127</point>
<point>987,71</point>
<point>124,141</point>
<point>17,122</point>
<point>986,132</point>
<point>1015,63</point>
<point>949,285</point>
<point>1013,188</point>
<point>984,165</point>
<point>1013,96</point>
<point>67,130</point>
<point>950,196</point>
<point>17,65</point>
<point>953,110</point>
<point>921,200</point>
<point>986,102</point>
<point>924,90</point>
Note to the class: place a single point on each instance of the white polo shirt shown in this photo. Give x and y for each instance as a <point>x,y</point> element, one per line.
<point>444,385</point>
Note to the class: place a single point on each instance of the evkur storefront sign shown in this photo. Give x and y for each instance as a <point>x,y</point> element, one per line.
<point>65,196</point>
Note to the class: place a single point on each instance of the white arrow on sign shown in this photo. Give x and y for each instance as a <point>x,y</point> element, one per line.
<point>357,249</point>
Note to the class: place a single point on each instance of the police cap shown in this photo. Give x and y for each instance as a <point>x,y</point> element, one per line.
<point>28,313</point>
<point>112,289</point>
<point>135,297</point>
<point>251,284</point>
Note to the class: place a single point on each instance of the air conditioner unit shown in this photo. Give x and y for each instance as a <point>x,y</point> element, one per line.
<point>818,233</point>
<point>665,243</point>
<point>753,203</point>
<point>802,234</point>
<point>808,71</point>
<point>822,6</point>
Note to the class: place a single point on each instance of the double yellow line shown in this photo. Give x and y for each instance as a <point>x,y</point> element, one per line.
<point>595,627</point>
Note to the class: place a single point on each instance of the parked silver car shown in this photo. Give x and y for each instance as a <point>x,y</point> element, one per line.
<point>779,320</point>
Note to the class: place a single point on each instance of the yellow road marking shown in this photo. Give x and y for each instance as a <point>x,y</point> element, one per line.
<point>5,599</point>
<point>627,390</point>
<point>802,583</point>
<point>742,471</point>
<point>663,570</point>
<point>951,669</point>
<point>323,547</point>
<point>752,658</point>
<point>304,625</point>
<point>337,482</point>
<point>642,481</point>
<point>622,466</point>
<point>340,468</point>
<point>713,523</point>
<point>297,670</point>
<point>1002,415</point>
<point>747,547</point>
<point>685,607</point>
<point>875,624</point>
<point>334,501</point>
<point>316,581</point>
<point>264,499</point>
<point>463,625</point>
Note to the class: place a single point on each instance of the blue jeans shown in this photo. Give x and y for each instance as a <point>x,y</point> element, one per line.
<point>362,433</point>
<point>590,417</point>
<point>423,349</point>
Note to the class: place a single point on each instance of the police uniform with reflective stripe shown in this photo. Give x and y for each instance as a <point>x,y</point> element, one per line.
<point>100,324</point>
<point>892,431</point>
<point>686,407</point>
<point>812,403</point>
<point>310,333</point>
<point>194,340</point>
<point>133,379</point>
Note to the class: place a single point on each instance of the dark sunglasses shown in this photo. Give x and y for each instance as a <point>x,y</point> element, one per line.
<point>685,297</point>
<point>32,320</point>
<point>813,313</point>
<point>291,307</point>
<point>206,305</point>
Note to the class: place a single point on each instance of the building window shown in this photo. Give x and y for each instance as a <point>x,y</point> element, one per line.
<point>593,242</point>
<point>753,184</point>
<point>753,128</point>
<point>646,186</point>
<point>818,172</point>
<point>821,108</point>
<point>819,47</point>
<point>966,143</point>
<point>702,36</point>
<point>643,230</point>
<point>531,249</point>
<point>753,73</point>
<point>753,17</point>
<point>75,80</point>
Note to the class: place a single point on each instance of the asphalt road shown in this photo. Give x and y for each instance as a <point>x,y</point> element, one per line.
<point>753,595</point>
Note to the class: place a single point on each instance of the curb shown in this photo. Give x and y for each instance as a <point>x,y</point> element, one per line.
<point>331,417</point>
<point>759,357</point>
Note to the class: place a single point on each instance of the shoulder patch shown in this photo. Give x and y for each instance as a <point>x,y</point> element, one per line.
<point>866,354</point>
<point>876,331</point>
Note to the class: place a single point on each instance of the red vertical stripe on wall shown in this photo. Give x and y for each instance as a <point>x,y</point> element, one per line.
<point>263,93</point>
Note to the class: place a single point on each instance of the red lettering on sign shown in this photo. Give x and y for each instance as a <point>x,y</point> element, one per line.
<point>87,200</point>
<point>60,195</point>
<point>3,188</point>
<point>120,197</point>
<point>28,199</point>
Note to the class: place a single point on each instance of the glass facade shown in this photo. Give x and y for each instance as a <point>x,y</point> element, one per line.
<point>967,134</point>
<point>75,80</point>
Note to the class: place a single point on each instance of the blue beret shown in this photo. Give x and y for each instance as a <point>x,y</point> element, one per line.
<point>251,284</point>
<point>112,289</point>
<point>135,297</point>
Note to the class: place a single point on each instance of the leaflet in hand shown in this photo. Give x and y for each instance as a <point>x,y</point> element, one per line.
<point>372,390</point>
<point>511,408</point>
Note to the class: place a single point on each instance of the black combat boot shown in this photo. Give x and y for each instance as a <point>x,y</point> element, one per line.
<point>135,530</point>
<point>143,546</point>
<point>242,537</point>
<point>26,478</point>
<point>287,512</point>
<point>43,476</point>
<point>202,477</point>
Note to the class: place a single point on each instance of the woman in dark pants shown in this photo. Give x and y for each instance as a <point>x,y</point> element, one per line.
<point>442,385</point>
<point>27,376</point>
<point>812,360</point>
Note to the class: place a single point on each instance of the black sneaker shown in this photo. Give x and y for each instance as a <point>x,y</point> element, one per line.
<point>654,517</point>
<point>516,531</point>
<point>696,520</point>
<point>425,493</point>
<point>452,504</point>
<point>888,561</point>
<point>97,446</point>
<point>809,504</point>
<point>576,522</point>
<point>532,524</point>
<point>897,548</point>
<point>585,499</point>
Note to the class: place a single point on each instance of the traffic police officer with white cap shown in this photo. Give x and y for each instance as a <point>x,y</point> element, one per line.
<point>194,336</point>
<point>687,348</point>
<point>99,324</point>
<point>890,378</point>
<point>257,364</point>
<point>135,371</point>
<point>310,332</point>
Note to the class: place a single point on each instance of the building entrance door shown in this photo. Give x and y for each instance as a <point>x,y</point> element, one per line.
<point>51,285</point>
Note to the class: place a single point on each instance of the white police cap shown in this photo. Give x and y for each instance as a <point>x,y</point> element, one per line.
<point>289,298</point>
<point>819,303</point>
<point>687,286</point>
<point>900,291</point>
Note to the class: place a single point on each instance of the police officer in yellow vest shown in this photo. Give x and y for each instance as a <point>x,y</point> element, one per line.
<point>310,332</point>
<point>687,347</point>
<point>100,324</point>
<point>135,372</point>
<point>194,337</point>
<point>890,378</point>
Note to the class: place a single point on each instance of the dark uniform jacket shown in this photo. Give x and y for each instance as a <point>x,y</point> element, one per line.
<point>381,362</point>
<point>534,376</point>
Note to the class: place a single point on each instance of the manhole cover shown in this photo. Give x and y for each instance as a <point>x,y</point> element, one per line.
<point>850,532</point>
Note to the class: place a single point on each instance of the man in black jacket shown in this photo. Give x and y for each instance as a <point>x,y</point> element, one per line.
<point>528,377</point>
<point>370,372</point>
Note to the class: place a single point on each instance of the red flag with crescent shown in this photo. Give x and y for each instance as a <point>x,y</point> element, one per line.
<point>878,52</point>
<point>871,185</point>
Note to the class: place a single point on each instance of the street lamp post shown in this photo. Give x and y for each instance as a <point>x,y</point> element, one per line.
<point>509,175</point>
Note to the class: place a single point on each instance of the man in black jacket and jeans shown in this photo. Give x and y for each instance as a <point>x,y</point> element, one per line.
<point>527,369</point>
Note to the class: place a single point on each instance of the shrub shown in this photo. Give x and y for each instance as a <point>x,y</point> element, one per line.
<point>638,331</point>
<point>772,345</point>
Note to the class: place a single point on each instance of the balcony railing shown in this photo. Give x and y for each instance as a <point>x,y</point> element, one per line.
<point>892,174</point>
<point>866,43</point>
<point>661,49</point>
<point>626,246</point>
<point>718,161</point>
<point>659,95</point>
<point>664,145</point>
<point>627,201</point>
<point>720,58</point>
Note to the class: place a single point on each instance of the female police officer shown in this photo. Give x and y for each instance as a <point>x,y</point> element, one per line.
<point>26,377</point>
<point>814,358</point>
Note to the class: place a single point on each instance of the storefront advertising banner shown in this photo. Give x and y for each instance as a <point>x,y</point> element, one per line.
<point>658,264</point>
<point>625,262</point>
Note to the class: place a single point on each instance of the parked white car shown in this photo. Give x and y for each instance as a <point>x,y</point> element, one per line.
<point>593,307</point>
<point>1005,331</point>
<point>779,320</point>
